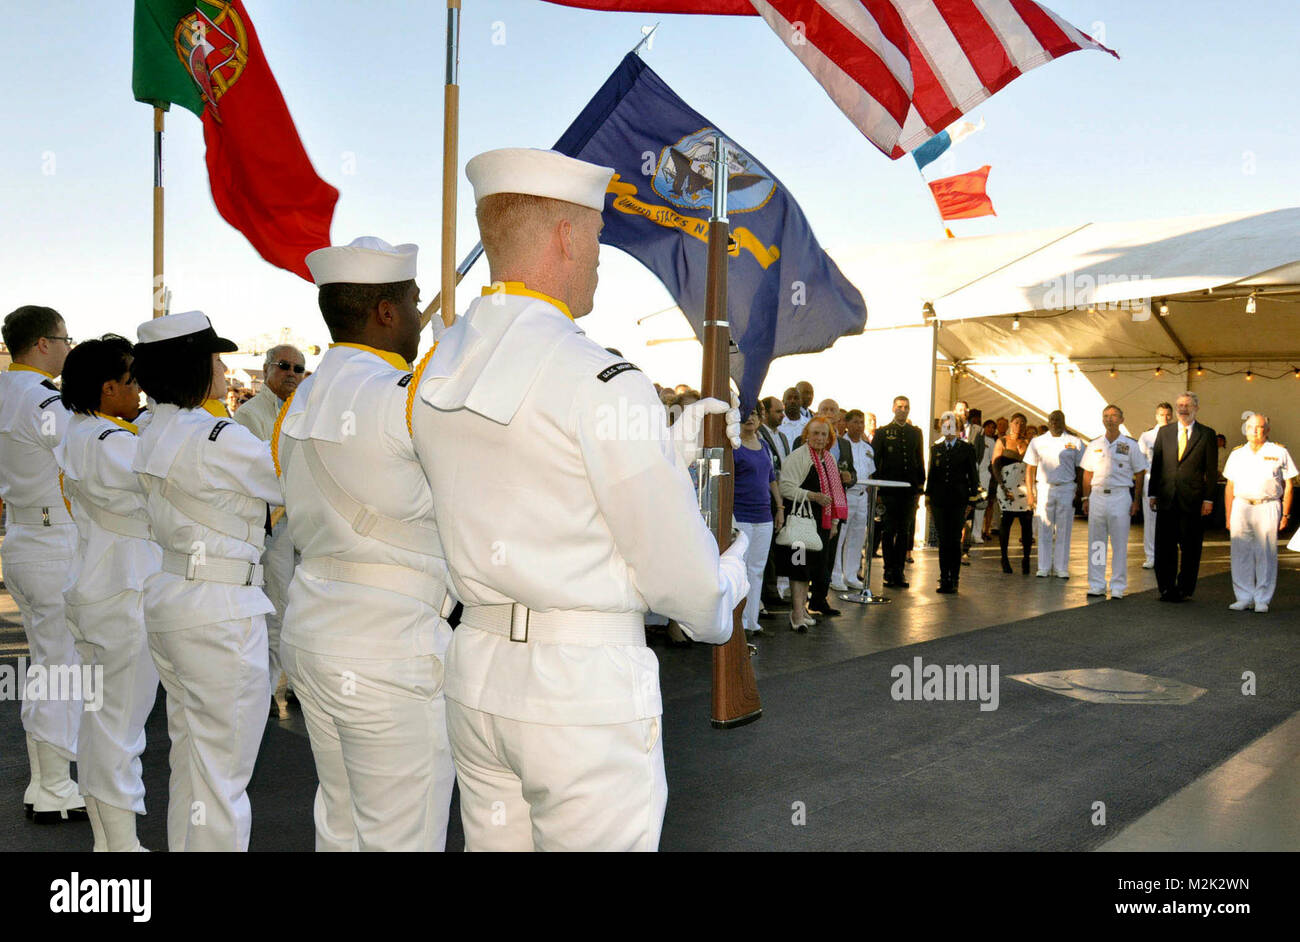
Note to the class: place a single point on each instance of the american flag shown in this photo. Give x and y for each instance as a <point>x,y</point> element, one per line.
<point>901,70</point>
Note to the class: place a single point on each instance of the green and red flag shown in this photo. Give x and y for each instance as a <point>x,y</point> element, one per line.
<point>205,56</point>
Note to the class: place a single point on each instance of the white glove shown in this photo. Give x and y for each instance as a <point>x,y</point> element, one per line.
<point>688,430</point>
<point>733,584</point>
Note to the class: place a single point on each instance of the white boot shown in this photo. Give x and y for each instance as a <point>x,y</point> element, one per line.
<point>34,786</point>
<point>119,826</point>
<point>96,825</point>
<point>57,799</point>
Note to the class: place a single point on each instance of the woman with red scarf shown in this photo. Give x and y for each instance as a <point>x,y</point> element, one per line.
<point>811,473</point>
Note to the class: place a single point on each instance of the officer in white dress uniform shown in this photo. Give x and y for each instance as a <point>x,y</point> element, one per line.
<point>38,549</point>
<point>283,370</point>
<point>566,513</point>
<point>104,595</point>
<point>1112,464</point>
<point>364,635</point>
<point>209,482</point>
<point>848,555</point>
<point>1147,444</point>
<point>1258,498</point>
<point>1051,493</point>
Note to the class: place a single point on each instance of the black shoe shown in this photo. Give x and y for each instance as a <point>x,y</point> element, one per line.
<point>60,817</point>
<point>1006,566</point>
<point>1024,566</point>
<point>827,610</point>
<point>1097,595</point>
<point>946,589</point>
<point>28,811</point>
<point>1171,597</point>
<point>901,584</point>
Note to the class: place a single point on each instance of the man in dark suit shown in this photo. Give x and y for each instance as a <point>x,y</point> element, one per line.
<point>899,457</point>
<point>1184,471</point>
<point>951,484</point>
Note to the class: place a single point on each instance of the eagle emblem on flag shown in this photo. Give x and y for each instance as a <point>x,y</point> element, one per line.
<point>684,175</point>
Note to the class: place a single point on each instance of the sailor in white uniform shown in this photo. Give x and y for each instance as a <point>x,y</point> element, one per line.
<point>209,482</point>
<point>364,634</point>
<point>1112,465</point>
<point>1261,476</point>
<point>1147,445</point>
<point>1051,493</point>
<point>104,595</point>
<point>565,513</point>
<point>283,370</point>
<point>38,550</point>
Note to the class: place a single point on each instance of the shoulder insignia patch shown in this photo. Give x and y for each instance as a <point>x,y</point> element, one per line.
<point>405,380</point>
<point>610,372</point>
<point>52,399</point>
<point>216,430</point>
<point>49,385</point>
<point>109,431</point>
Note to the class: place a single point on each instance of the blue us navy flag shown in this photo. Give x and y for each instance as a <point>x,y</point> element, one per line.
<point>784,294</point>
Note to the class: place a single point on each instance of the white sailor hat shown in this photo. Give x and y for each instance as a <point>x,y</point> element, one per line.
<point>539,173</point>
<point>190,329</point>
<point>363,261</point>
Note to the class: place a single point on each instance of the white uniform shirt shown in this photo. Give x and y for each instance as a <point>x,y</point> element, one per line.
<point>32,422</point>
<point>864,463</point>
<point>354,408</point>
<point>225,466</point>
<point>96,457</point>
<point>1113,464</point>
<point>258,415</point>
<point>1055,456</point>
<point>1259,475</point>
<point>1147,445</point>
<point>556,486</point>
<point>792,428</point>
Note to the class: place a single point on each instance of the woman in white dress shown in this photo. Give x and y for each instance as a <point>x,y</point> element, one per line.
<point>1013,497</point>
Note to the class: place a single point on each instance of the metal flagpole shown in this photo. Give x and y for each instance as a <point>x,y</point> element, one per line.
<point>735,692</point>
<point>159,290</point>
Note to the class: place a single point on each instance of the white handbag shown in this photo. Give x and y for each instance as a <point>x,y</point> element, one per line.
<point>800,528</point>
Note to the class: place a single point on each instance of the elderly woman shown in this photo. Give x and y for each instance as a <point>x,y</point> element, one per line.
<point>811,474</point>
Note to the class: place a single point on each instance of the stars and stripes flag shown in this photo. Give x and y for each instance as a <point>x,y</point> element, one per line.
<point>901,70</point>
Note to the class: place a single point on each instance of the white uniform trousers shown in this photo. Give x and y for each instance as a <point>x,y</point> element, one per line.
<point>1148,530</point>
<point>760,541</point>
<point>110,636</point>
<point>37,589</point>
<point>277,569</point>
<point>1254,550</point>
<point>525,786</point>
<point>215,678</point>
<point>977,518</point>
<point>378,733</point>
<point>848,556</point>
<point>1108,521</point>
<point>1054,517</point>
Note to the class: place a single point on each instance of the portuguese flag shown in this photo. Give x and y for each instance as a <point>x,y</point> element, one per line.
<point>205,56</point>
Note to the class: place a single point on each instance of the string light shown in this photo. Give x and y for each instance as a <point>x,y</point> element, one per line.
<point>1015,322</point>
<point>1200,371</point>
<point>1164,307</point>
<point>1160,370</point>
<point>1112,372</point>
<point>1250,309</point>
<point>1249,376</point>
<point>1296,373</point>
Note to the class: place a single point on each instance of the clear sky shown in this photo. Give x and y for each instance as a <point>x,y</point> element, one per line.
<point>1196,117</point>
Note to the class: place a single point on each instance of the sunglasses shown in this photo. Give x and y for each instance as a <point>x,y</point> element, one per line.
<point>286,365</point>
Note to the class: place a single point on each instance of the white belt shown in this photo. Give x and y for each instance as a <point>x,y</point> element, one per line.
<point>1060,484</point>
<point>1254,501</point>
<point>196,567</point>
<point>421,586</point>
<point>117,523</point>
<point>519,623</point>
<point>39,516</point>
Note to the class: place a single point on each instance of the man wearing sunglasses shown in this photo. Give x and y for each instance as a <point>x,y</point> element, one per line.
<point>283,369</point>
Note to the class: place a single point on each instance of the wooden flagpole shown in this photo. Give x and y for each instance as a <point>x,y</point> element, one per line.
<point>450,162</point>
<point>735,692</point>
<point>159,301</point>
